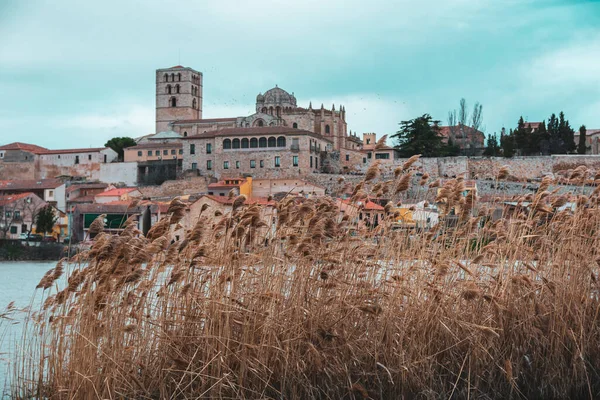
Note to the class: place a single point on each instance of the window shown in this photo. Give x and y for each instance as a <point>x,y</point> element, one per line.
<point>173,152</point>
<point>272,142</point>
<point>165,152</point>
<point>173,102</point>
<point>237,165</point>
<point>225,164</point>
<point>262,163</point>
<point>311,163</point>
<point>89,157</point>
<point>295,125</point>
<point>281,141</point>
<point>105,158</point>
<point>277,161</point>
<point>8,214</point>
<point>194,166</point>
<point>209,164</point>
<point>139,153</point>
<point>253,143</point>
<point>181,151</point>
<point>194,104</point>
<point>260,122</point>
<point>295,161</point>
<point>369,155</point>
<point>208,148</point>
<point>368,141</point>
<point>166,78</point>
<point>76,159</point>
<point>157,153</point>
<point>192,149</point>
<point>316,162</point>
<point>179,77</point>
<point>172,77</point>
<point>262,142</point>
<point>327,129</point>
<point>245,143</point>
<point>252,163</point>
<point>17,214</point>
<point>347,157</point>
<point>13,230</point>
<point>364,160</point>
<point>168,89</point>
<point>382,156</point>
<point>235,144</point>
<point>185,134</point>
<point>226,144</point>
<point>149,152</point>
<point>50,193</point>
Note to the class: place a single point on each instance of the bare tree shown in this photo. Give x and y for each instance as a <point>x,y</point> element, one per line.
<point>24,209</point>
<point>452,124</point>
<point>463,113</point>
<point>477,116</point>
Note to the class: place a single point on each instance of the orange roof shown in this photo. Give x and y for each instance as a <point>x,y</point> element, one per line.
<point>31,148</point>
<point>369,205</point>
<point>116,192</point>
<point>11,198</point>
<point>224,184</point>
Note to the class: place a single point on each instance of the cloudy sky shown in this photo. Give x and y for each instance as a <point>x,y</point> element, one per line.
<point>75,73</point>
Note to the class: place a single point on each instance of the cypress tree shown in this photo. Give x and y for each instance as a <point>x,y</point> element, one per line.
<point>581,147</point>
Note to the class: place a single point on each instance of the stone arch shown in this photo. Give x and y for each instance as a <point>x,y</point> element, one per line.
<point>259,122</point>
<point>295,125</point>
<point>272,141</point>
<point>327,129</point>
<point>235,144</point>
<point>262,142</point>
<point>245,143</point>
<point>168,89</point>
<point>281,141</point>
<point>227,144</point>
<point>253,143</point>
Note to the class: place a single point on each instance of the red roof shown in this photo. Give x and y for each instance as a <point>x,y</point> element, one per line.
<point>31,148</point>
<point>82,199</point>
<point>207,120</point>
<point>70,151</point>
<point>29,184</point>
<point>116,192</point>
<point>178,66</point>
<point>74,187</point>
<point>11,198</point>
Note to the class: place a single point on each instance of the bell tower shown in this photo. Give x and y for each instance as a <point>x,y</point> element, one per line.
<point>178,96</point>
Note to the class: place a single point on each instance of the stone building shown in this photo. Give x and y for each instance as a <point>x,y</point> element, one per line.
<point>178,96</point>
<point>18,212</point>
<point>268,151</point>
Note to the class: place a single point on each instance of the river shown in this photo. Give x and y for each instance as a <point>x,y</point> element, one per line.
<point>17,283</point>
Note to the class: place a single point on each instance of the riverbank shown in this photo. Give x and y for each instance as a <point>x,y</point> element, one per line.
<point>17,250</point>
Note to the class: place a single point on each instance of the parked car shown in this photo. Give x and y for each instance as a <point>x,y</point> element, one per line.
<point>49,239</point>
<point>23,236</point>
<point>35,237</point>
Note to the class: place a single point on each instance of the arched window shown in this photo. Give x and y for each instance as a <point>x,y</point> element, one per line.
<point>295,125</point>
<point>166,77</point>
<point>253,143</point>
<point>262,142</point>
<point>327,129</point>
<point>173,102</point>
<point>264,110</point>
<point>271,110</point>
<point>272,142</point>
<point>169,89</point>
<point>260,122</point>
<point>278,110</point>
<point>235,144</point>
<point>194,104</point>
<point>245,143</point>
<point>172,77</point>
<point>179,77</point>
<point>184,134</point>
<point>177,88</point>
<point>226,144</point>
<point>281,141</point>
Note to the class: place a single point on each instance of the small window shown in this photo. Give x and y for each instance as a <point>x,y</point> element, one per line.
<point>177,87</point>
<point>382,156</point>
<point>165,152</point>
<point>180,151</point>
<point>237,165</point>
<point>50,193</point>
<point>166,78</point>
<point>194,104</point>
<point>168,89</point>
<point>157,153</point>
<point>311,163</point>
<point>327,129</point>
<point>316,162</point>
<point>295,125</point>
<point>225,164</point>
<point>208,148</point>
<point>149,152</point>
<point>194,166</point>
<point>185,134</point>
<point>8,214</point>
<point>179,77</point>
<point>369,155</point>
<point>347,157</point>
<point>252,163</point>
<point>277,161</point>
<point>173,102</point>
<point>173,152</point>
<point>227,144</point>
<point>260,122</point>
<point>262,163</point>
<point>368,141</point>
<point>172,77</point>
<point>76,159</point>
<point>209,164</point>
<point>17,214</point>
<point>139,153</point>
<point>192,149</point>
<point>89,157</point>
<point>295,161</point>
<point>364,160</point>
<point>13,230</point>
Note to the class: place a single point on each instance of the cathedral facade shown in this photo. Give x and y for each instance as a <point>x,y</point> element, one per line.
<point>179,108</point>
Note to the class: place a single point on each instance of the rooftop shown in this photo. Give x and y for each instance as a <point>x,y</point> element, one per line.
<point>24,184</point>
<point>265,130</point>
<point>116,192</point>
<point>31,148</point>
<point>74,187</point>
<point>11,198</point>
<point>206,120</point>
<point>150,145</point>
<point>228,201</point>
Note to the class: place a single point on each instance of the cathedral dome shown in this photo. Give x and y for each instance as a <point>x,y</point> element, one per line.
<point>278,96</point>
<point>260,98</point>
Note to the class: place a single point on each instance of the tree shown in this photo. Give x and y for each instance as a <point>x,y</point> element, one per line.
<point>566,133</point>
<point>507,142</point>
<point>120,143</point>
<point>45,220</point>
<point>420,136</point>
<point>458,124</point>
<point>492,149</point>
<point>581,147</point>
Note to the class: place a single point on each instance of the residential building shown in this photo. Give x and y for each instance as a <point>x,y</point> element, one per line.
<point>592,140</point>
<point>363,213</point>
<point>470,141</point>
<point>120,194</point>
<point>52,191</point>
<point>18,212</point>
<point>157,161</point>
<point>225,186</point>
<point>297,187</point>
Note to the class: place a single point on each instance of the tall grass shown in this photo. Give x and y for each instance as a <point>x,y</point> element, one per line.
<point>297,307</point>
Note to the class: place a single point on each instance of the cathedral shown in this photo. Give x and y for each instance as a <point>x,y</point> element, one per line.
<point>179,109</point>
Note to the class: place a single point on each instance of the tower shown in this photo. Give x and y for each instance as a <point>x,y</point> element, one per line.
<point>178,96</point>
<point>369,141</point>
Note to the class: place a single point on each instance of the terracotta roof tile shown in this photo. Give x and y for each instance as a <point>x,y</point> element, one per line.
<point>30,184</point>
<point>116,192</point>
<point>31,148</point>
<point>11,198</point>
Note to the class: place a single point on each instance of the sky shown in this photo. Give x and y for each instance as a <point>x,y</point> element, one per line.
<point>76,73</point>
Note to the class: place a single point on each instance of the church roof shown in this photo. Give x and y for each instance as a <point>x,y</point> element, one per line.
<point>164,135</point>
<point>276,95</point>
<point>264,130</point>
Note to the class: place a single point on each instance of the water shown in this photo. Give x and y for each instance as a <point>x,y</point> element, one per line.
<point>17,283</point>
